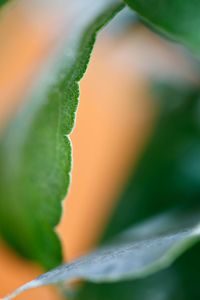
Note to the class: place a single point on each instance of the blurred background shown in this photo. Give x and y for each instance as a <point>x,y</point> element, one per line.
<point>114,120</point>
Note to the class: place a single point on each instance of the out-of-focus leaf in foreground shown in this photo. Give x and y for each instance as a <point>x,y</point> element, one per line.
<point>135,253</point>
<point>177,19</point>
<point>35,151</point>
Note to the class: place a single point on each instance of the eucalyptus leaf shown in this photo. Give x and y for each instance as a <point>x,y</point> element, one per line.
<point>176,19</point>
<point>35,150</point>
<point>135,253</point>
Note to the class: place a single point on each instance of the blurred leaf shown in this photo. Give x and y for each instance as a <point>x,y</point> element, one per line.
<point>2,2</point>
<point>168,171</point>
<point>159,286</point>
<point>167,175</point>
<point>136,253</point>
<point>35,152</point>
<point>177,19</point>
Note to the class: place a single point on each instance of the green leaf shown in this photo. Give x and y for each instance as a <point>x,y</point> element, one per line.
<point>175,18</point>
<point>35,151</point>
<point>137,252</point>
<point>2,2</point>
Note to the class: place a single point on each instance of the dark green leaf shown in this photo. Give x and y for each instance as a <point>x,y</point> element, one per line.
<point>2,2</point>
<point>35,151</point>
<point>179,19</point>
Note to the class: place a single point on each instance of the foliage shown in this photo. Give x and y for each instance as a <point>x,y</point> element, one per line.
<point>35,151</point>
<point>35,163</point>
<point>2,2</point>
<point>176,19</point>
<point>135,253</point>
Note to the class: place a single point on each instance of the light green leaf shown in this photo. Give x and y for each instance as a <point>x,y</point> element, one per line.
<point>137,252</point>
<point>177,19</point>
<point>35,151</point>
